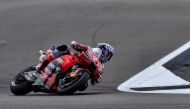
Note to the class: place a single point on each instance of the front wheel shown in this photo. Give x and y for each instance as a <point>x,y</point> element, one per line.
<point>21,86</point>
<point>71,85</point>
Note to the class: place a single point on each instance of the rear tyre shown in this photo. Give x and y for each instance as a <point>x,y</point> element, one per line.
<point>19,85</point>
<point>74,85</point>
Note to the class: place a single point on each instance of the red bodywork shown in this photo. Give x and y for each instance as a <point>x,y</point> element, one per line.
<point>66,62</point>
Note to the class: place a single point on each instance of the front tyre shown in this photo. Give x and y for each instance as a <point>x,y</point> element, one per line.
<point>73,85</point>
<point>21,86</point>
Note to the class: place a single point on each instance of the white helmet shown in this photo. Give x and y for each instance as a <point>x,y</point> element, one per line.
<point>107,52</point>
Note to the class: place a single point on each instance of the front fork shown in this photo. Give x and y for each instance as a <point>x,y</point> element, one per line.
<point>31,75</point>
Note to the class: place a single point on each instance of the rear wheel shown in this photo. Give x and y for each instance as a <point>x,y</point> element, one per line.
<point>21,86</point>
<point>70,85</point>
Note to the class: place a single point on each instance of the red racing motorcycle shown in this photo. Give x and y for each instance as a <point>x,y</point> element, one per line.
<point>64,75</point>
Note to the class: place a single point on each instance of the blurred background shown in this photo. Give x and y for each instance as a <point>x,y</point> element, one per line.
<point>142,32</point>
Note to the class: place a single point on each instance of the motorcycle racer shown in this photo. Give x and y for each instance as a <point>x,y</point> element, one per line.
<point>103,51</point>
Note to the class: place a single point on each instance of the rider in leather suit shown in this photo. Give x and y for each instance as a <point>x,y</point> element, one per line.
<point>104,51</point>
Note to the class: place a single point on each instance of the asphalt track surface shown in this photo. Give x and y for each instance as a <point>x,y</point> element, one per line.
<point>142,32</point>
